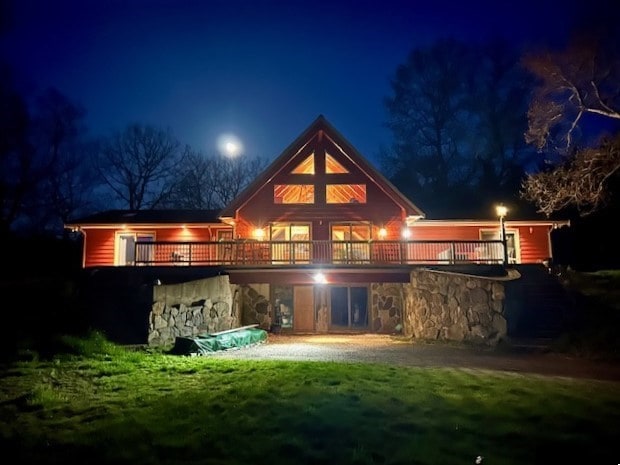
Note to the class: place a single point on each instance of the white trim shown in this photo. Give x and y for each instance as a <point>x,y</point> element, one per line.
<point>117,235</point>
<point>491,223</point>
<point>517,240</point>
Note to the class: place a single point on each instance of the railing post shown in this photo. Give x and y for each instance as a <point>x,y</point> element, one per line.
<point>452,253</point>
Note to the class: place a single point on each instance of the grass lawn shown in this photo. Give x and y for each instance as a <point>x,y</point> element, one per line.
<point>106,404</point>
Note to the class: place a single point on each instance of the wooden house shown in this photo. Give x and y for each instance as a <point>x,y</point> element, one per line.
<point>319,229</point>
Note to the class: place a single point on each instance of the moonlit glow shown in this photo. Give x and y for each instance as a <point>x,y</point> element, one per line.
<point>229,145</point>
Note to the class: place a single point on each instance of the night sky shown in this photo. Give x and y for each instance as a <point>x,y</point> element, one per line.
<point>262,70</point>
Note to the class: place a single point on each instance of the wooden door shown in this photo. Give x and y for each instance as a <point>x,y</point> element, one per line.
<point>303,308</point>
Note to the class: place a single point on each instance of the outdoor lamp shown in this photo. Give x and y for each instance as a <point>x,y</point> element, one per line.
<point>502,211</point>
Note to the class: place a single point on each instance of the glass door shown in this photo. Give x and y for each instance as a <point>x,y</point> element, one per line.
<point>349,307</point>
<point>290,243</point>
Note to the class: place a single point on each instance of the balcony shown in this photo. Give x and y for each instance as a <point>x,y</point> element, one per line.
<point>251,253</point>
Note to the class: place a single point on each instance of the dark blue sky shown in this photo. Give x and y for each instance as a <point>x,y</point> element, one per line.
<point>262,70</point>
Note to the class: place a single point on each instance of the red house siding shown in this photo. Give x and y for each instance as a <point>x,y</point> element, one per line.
<point>533,239</point>
<point>99,247</point>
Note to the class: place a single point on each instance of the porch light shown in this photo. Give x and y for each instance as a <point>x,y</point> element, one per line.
<point>502,211</point>
<point>406,233</point>
<point>259,234</point>
<point>319,278</point>
<point>382,233</point>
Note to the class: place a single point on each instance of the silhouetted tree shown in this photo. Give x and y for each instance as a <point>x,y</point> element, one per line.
<point>212,182</point>
<point>67,182</point>
<point>457,116</point>
<point>141,165</point>
<point>17,164</point>
<point>576,86</point>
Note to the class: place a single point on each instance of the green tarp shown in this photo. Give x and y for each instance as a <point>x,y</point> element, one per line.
<point>206,343</point>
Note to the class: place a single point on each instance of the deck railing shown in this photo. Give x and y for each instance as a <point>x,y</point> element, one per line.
<point>274,253</point>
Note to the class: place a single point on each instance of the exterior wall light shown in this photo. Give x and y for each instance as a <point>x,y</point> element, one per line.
<point>382,233</point>
<point>259,234</point>
<point>406,233</point>
<point>320,278</point>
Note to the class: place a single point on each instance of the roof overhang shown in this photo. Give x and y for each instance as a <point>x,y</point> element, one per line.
<point>129,225</point>
<point>555,224</point>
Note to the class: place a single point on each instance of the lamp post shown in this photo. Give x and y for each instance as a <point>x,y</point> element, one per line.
<point>501,211</point>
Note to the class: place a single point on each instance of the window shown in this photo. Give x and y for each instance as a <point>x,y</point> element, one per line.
<point>512,242</point>
<point>290,243</point>
<point>305,167</point>
<point>293,193</point>
<point>355,247</point>
<point>345,193</point>
<point>126,251</point>
<point>332,166</point>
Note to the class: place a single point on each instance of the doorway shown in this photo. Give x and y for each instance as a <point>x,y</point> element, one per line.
<point>349,307</point>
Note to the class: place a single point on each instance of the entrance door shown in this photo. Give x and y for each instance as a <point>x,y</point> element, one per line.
<point>349,307</point>
<point>303,308</point>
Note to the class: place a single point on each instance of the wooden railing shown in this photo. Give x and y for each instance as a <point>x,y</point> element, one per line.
<point>274,253</point>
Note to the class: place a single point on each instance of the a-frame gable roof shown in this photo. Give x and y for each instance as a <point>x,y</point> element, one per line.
<point>300,149</point>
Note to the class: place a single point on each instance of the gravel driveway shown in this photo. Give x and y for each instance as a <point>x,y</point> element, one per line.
<point>373,348</point>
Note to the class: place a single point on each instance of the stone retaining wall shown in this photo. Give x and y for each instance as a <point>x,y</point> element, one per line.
<point>195,307</point>
<point>454,307</point>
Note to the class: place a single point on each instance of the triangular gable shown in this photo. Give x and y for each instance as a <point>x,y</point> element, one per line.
<point>332,166</point>
<point>340,151</point>
<point>306,166</point>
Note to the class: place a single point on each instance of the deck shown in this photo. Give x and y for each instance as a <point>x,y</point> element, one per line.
<point>278,253</point>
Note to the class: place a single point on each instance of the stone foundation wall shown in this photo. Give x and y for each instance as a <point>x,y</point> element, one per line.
<point>454,307</point>
<point>386,307</point>
<point>256,306</point>
<point>188,309</point>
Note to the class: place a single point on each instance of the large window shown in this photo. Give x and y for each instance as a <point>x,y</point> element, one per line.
<point>345,193</point>
<point>290,243</point>
<point>293,193</point>
<point>354,247</point>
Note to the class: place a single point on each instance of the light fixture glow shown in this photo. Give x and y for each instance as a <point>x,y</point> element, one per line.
<point>406,233</point>
<point>319,278</point>
<point>501,210</point>
<point>259,233</point>
<point>382,233</point>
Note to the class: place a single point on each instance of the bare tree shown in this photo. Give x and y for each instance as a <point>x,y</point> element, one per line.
<point>232,175</point>
<point>141,166</point>
<point>67,181</point>
<point>578,87</point>
<point>426,117</point>
<point>16,152</point>
<point>457,115</point>
<point>213,182</point>
<point>194,189</point>
<point>581,182</point>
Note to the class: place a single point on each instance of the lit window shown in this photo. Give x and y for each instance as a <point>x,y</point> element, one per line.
<point>332,166</point>
<point>306,166</point>
<point>293,193</point>
<point>345,193</point>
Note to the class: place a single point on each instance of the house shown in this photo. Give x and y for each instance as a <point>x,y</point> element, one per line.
<point>320,241</point>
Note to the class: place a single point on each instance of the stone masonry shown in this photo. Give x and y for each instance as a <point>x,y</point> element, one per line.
<point>192,308</point>
<point>454,307</point>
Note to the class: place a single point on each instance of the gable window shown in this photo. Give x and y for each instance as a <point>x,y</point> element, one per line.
<point>305,167</point>
<point>293,193</point>
<point>345,193</point>
<point>332,166</point>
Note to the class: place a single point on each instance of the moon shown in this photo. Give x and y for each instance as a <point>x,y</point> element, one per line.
<point>229,145</point>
